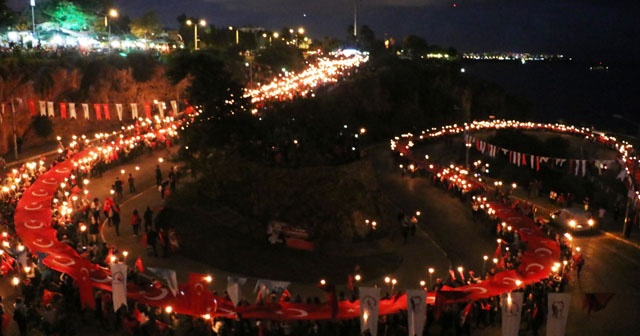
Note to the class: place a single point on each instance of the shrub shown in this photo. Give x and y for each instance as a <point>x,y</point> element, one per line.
<point>42,126</point>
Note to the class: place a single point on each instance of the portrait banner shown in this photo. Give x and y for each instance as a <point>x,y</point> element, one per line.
<point>119,285</point>
<point>43,108</point>
<point>369,302</point>
<point>134,111</point>
<point>72,111</point>
<point>50,110</point>
<point>557,314</point>
<point>85,109</point>
<point>119,111</point>
<point>511,312</point>
<point>416,311</point>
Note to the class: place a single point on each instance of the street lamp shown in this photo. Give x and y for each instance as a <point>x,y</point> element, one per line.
<point>237,34</point>
<point>114,14</point>
<point>203,23</point>
<point>431,271</point>
<point>484,265</point>
<point>33,18</point>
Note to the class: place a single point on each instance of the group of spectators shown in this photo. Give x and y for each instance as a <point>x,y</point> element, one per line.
<point>462,318</point>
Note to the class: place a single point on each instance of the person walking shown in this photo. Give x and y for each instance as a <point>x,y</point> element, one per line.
<point>114,214</point>
<point>135,223</point>
<point>148,219</point>
<point>579,262</point>
<point>132,186</point>
<point>158,175</point>
<point>152,239</point>
<point>117,186</point>
<point>20,316</point>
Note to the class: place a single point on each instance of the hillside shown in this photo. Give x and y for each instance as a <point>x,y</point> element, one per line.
<point>71,77</point>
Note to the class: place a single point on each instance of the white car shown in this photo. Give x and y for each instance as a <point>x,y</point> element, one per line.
<point>573,220</point>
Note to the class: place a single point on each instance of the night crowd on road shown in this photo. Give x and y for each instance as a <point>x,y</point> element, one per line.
<point>49,300</point>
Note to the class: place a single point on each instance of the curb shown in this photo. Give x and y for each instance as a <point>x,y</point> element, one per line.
<point>621,239</point>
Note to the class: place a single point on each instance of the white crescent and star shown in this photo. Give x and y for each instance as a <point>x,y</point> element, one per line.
<point>226,312</point>
<point>539,266</point>
<point>40,242</point>
<point>62,170</point>
<point>508,280</point>
<point>542,249</point>
<point>162,295</point>
<point>50,180</point>
<point>33,207</point>
<point>301,313</point>
<point>199,288</point>
<point>67,261</point>
<point>28,224</point>
<point>84,273</point>
<point>477,289</point>
<point>105,279</point>
<point>40,193</point>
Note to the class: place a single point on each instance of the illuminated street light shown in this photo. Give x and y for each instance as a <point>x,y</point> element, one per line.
<point>203,23</point>
<point>33,17</point>
<point>114,14</point>
<point>237,34</point>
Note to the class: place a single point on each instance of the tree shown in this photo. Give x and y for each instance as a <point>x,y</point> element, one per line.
<point>7,16</point>
<point>415,46</point>
<point>70,16</point>
<point>146,26</point>
<point>225,120</point>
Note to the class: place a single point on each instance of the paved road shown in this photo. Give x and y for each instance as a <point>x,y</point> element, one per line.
<point>446,237</point>
<point>612,263</point>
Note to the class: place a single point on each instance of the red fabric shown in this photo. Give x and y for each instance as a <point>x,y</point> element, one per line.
<point>105,109</point>
<point>198,293</point>
<point>6,321</point>
<point>63,110</point>
<point>139,265</point>
<point>98,109</point>
<point>47,297</point>
<point>147,110</point>
<point>83,280</point>
<point>32,107</point>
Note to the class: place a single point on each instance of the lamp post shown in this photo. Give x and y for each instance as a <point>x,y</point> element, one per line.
<point>13,129</point>
<point>114,14</point>
<point>237,34</point>
<point>33,17</point>
<point>484,265</point>
<point>195,31</point>
<point>431,271</point>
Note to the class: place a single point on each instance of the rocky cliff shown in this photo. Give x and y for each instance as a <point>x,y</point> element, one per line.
<point>104,80</point>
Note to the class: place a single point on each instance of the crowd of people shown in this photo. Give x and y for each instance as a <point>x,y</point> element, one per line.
<point>464,317</point>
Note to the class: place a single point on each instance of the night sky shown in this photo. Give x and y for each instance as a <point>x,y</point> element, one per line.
<point>593,29</point>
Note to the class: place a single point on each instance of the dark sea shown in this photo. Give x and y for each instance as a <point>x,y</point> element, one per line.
<point>569,91</point>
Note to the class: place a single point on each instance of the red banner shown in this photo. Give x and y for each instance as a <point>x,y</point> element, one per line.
<point>63,110</point>
<point>32,107</point>
<point>105,109</point>
<point>147,110</point>
<point>97,107</point>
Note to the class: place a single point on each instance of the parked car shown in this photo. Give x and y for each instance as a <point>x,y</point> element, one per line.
<point>574,220</point>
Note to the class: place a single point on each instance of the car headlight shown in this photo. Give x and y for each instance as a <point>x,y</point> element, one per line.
<point>572,223</point>
<point>591,222</point>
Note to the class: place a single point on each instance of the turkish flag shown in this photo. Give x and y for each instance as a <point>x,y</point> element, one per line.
<point>147,110</point>
<point>139,265</point>
<point>198,293</point>
<point>98,109</point>
<point>83,282</point>
<point>63,110</point>
<point>47,297</point>
<point>105,109</point>
<point>32,107</point>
